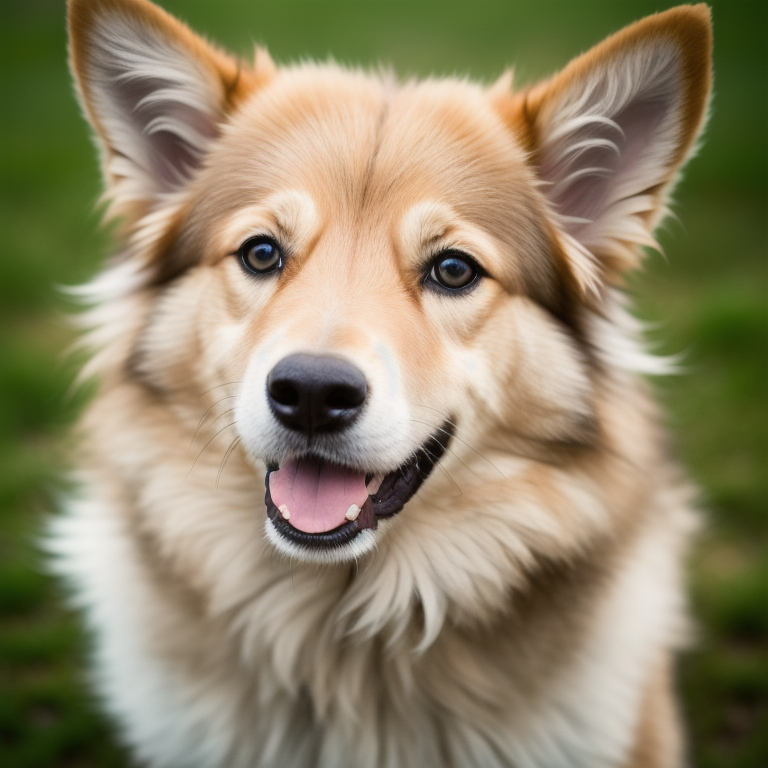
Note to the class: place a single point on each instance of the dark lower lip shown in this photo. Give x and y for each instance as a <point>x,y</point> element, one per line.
<point>396,490</point>
<point>338,537</point>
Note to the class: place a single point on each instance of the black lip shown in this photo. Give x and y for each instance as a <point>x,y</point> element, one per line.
<point>395,491</point>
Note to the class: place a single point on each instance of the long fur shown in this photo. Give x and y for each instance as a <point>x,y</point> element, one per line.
<point>524,608</point>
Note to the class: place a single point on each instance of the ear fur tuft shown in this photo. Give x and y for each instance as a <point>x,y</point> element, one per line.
<point>608,134</point>
<point>154,92</point>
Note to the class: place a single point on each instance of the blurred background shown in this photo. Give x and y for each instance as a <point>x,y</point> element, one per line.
<point>707,298</point>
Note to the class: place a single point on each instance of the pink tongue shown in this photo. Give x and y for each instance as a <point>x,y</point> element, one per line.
<point>316,493</point>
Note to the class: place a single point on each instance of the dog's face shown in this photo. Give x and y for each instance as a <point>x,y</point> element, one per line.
<point>381,278</point>
<point>368,265</point>
<point>359,271</point>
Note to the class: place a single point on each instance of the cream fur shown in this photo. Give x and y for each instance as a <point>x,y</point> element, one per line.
<point>522,609</point>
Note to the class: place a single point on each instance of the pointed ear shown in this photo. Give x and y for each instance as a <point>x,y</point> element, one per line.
<point>609,132</point>
<point>154,92</point>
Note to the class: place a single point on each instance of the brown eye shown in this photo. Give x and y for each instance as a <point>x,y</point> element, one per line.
<point>261,255</point>
<point>454,270</point>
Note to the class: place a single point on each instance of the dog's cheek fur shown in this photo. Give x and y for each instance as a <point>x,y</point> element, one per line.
<point>536,382</point>
<point>195,334</point>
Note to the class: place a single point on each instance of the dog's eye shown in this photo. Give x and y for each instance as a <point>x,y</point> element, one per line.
<point>261,255</point>
<point>454,270</point>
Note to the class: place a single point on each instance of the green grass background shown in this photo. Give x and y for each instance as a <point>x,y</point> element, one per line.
<point>707,298</point>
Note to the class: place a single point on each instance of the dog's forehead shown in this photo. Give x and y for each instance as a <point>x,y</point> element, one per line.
<point>368,152</point>
<point>354,140</point>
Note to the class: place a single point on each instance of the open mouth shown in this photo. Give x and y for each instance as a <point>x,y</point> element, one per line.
<point>319,505</point>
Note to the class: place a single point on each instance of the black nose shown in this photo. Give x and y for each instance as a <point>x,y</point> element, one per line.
<point>316,393</point>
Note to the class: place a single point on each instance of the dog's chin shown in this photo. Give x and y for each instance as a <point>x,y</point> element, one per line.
<point>361,544</point>
<point>354,538</point>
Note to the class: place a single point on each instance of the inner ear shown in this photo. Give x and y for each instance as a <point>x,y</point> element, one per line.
<point>594,161</point>
<point>607,134</point>
<point>156,112</point>
<point>155,92</point>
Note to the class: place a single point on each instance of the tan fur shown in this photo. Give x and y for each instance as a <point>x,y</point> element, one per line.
<point>658,742</point>
<point>524,607</point>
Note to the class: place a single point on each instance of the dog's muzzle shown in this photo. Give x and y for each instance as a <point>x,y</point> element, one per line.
<point>317,504</point>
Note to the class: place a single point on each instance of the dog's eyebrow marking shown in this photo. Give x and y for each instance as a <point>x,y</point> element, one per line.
<point>431,224</point>
<point>292,213</point>
<point>424,223</point>
<point>295,214</point>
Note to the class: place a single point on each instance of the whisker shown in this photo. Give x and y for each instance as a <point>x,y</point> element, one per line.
<point>464,442</point>
<point>207,444</point>
<point>223,464</point>
<point>218,386</point>
<point>202,418</point>
<point>449,449</point>
<point>436,463</point>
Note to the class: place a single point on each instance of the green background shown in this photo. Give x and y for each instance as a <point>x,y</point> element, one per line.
<point>707,299</point>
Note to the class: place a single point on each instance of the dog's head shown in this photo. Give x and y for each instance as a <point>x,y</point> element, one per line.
<point>385,279</point>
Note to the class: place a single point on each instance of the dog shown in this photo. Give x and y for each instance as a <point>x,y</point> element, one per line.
<point>372,476</point>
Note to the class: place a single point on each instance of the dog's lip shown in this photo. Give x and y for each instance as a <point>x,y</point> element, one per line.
<point>394,492</point>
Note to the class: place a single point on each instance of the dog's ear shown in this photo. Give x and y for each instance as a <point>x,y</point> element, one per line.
<point>154,92</point>
<point>609,132</point>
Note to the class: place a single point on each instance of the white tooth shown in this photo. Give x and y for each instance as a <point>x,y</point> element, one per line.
<point>284,511</point>
<point>374,484</point>
<point>352,512</point>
